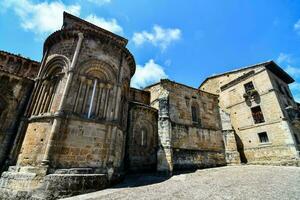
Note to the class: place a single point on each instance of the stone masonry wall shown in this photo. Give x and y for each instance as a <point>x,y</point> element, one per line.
<point>139,96</point>
<point>16,84</point>
<point>141,148</point>
<point>193,144</point>
<point>87,144</point>
<point>276,125</point>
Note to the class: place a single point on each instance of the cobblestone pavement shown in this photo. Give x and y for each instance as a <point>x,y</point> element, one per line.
<point>232,182</point>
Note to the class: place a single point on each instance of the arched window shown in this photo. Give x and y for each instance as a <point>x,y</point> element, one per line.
<point>95,92</point>
<point>143,138</point>
<point>46,91</point>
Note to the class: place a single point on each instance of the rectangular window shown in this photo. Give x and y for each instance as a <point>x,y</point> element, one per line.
<point>257,115</point>
<point>263,137</point>
<point>249,86</point>
<point>194,114</point>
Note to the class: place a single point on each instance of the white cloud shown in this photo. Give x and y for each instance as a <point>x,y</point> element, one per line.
<point>297,27</point>
<point>293,71</point>
<point>40,18</point>
<point>108,24</point>
<point>284,58</point>
<point>158,36</point>
<point>100,2</point>
<point>148,74</point>
<point>46,17</point>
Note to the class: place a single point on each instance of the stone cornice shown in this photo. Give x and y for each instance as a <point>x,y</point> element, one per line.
<point>72,33</point>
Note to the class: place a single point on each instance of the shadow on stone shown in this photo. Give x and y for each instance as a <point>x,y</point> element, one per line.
<point>136,180</point>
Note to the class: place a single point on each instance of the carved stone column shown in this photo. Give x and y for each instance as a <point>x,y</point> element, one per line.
<point>165,152</point>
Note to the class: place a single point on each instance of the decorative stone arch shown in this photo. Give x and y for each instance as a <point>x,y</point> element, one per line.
<point>57,64</point>
<point>142,129</point>
<point>142,140</point>
<point>98,69</point>
<point>96,92</point>
<point>51,75</point>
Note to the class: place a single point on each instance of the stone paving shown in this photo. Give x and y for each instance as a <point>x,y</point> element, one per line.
<point>231,182</point>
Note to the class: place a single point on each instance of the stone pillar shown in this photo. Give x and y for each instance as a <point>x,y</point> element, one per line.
<point>231,152</point>
<point>107,103</point>
<point>102,101</point>
<point>290,141</point>
<point>57,121</point>
<point>165,152</point>
<point>98,102</point>
<point>47,97</point>
<point>82,79</point>
<point>232,155</point>
<point>88,85</point>
<point>38,101</point>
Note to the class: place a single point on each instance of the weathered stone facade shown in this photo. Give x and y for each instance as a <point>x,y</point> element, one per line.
<point>189,127</point>
<point>77,117</point>
<point>16,84</point>
<point>142,138</point>
<point>71,124</point>
<point>262,110</point>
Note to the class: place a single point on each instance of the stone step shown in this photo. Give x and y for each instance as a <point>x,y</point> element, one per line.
<point>20,180</point>
<point>74,171</point>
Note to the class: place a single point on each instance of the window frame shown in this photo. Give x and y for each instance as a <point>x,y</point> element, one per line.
<point>195,113</point>
<point>246,89</point>
<point>263,137</point>
<point>255,119</point>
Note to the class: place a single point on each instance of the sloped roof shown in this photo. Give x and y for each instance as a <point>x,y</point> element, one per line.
<point>19,56</point>
<point>76,21</point>
<point>270,65</point>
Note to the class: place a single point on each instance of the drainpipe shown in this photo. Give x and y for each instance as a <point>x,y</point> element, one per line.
<point>57,122</point>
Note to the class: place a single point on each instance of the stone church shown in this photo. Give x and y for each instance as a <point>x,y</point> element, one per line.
<point>72,124</point>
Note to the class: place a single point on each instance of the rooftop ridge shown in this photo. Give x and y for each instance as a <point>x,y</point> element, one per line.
<point>266,64</point>
<point>241,68</point>
<point>121,39</point>
<point>19,56</point>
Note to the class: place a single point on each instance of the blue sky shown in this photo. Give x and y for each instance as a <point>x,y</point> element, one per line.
<point>185,41</point>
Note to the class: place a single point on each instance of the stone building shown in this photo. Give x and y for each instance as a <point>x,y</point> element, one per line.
<point>16,83</point>
<point>71,124</point>
<point>189,127</point>
<point>262,110</point>
<point>84,127</point>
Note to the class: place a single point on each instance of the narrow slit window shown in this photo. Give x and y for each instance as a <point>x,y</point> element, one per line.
<point>195,113</point>
<point>263,137</point>
<point>257,115</point>
<point>143,138</point>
